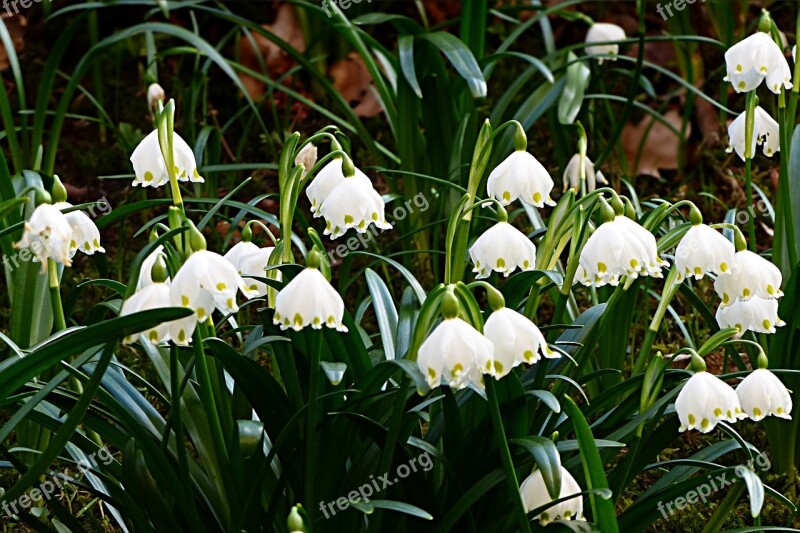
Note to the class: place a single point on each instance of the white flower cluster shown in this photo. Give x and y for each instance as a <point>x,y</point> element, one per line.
<point>748,284</point>
<point>345,202</point>
<point>616,249</point>
<point>503,248</point>
<point>705,400</point>
<point>51,234</point>
<point>205,282</point>
<point>458,354</point>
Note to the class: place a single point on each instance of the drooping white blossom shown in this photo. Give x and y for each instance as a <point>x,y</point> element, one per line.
<point>48,234</point>
<point>85,235</point>
<point>309,300</point>
<point>762,394</point>
<point>602,32</point>
<point>353,204</point>
<point>457,353</point>
<point>251,260</point>
<point>516,340</point>
<point>766,132</point>
<point>703,250</point>
<point>572,174</point>
<point>616,249</point>
<point>157,296</point>
<point>756,314</point>
<point>150,168</point>
<point>502,248</point>
<point>205,281</point>
<point>533,492</point>
<point>521,176</point>
<point>706,400</point>
<point>751,275</point>
<point>326,180</point>
<point>755,59</point>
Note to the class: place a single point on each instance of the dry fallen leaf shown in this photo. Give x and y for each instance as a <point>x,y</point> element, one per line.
<point>256,48</point>
<point>352,79</point>
<point>708,120</point>
<point>441,10</point>
<point>16,25</point>
<point>661,145</point>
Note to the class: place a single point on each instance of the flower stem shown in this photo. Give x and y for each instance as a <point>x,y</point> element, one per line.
<point>748,162</point>
<point>55,296</point>
<point>505,455</point>
<point>315,355</point>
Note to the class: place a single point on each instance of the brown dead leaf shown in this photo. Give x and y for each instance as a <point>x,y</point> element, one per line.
<point>16,25</point>
<point>707,119</point>
<point>441,10</point>
<point>352,79</point>
<point>257,48</point>
<point>661,145</point>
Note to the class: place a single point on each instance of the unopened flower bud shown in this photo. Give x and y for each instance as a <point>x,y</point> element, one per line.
<point>155,94</point>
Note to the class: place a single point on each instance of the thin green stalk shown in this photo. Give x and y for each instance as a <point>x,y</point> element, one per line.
<point>315,348</point>
<point>59,323</point>
<point>671,286</point>
<point>725,507</point>
<point>205,391</point>
<point>505,455</point>
<point>180,439</point>
<point>748,162</point>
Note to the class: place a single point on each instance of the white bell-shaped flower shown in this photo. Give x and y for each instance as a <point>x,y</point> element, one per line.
<point>502,248</point>
<point>309,300</point>
<point>702,250</point>
<point>765,132</point>
<point>618,248</point>
<point>756,314</point>
<point>706,400</point>
<point>48,234</point>
<point>534,495</point>
<point>250,260</point>
<point>353,204</point>
<point>146,271</point>
<point>85,235</point>
<point>326,180</point>
<point>602,32</point>
<point>751,275</point>
<point>762,394</point>
<point>150,168</point>
<point>754,59</point>
<point>157,296</point>
<point>206,280</point>
<point>457,353</point>
<point>572,174</point>
<point>521,176</point>
<point>516,340</point>
<point>653,263</point>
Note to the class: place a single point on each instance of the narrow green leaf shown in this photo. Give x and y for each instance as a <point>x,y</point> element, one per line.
<point>572,98</point>
<point>602,509</point>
